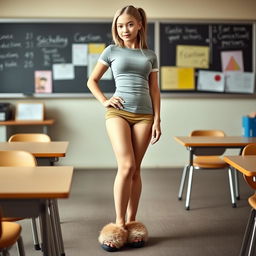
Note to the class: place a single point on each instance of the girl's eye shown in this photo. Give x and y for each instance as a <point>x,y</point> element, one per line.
<point>119,26</point>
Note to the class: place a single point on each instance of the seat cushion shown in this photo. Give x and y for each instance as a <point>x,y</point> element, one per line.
<point>10,234</point>
<point>209,162</point>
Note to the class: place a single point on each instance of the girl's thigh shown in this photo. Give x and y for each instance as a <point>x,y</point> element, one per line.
<point>119,132</point>
<point>141,135</point>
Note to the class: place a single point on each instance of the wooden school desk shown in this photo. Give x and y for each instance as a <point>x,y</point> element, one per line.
<point>247,166</point>
<point>4,125</point>
<point>194,142</point>
<point>49,150</point>
<point>244,164</point>
<point>28,191</point>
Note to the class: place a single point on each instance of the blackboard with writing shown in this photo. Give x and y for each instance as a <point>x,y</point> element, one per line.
<point>218,37</point>
<point>180,34</point>
<point>27,47</point>
<point>232,37</point>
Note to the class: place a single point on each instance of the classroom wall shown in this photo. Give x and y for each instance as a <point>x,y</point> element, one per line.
<point>81,121</point>
<point>218,9</point>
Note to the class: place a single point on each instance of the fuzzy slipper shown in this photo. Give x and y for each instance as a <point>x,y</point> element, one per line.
<point>114,234</point>
<point>136,231</point>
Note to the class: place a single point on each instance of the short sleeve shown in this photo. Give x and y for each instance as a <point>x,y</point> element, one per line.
<point>105,56</point>
<point>154,63</point>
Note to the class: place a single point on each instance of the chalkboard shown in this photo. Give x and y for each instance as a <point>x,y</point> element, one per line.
<point>232,37</point>
<point>180,34</point>
<point>219,37</point>
<point>27,47</point>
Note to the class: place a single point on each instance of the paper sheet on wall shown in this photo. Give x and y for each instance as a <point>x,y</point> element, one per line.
<point>232,61</point>
<point>92,60</point>
<point>240,82</point>
<point>43,81</point>
<point>79,54</point>
<point>29,111</point>
<point>210,81</point>
<point>192,56</point>
<point>63,71</point>
<point>174,78</point>
<point>96,48</point>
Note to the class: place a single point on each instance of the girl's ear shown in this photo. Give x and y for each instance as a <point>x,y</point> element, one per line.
<point>140,25</point>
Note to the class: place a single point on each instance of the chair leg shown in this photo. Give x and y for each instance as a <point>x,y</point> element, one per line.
<point>237,185</point>
<point>190,179</point>
<point>252,242</point>
<point>247,233</point>
<point>231,185</point>
<point>35,234</point>
<point>182,182</point>
<point>20,247</point>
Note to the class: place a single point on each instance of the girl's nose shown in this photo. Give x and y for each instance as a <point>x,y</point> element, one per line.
<point>125,28</point>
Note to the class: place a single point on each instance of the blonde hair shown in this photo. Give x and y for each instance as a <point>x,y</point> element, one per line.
<point>140,15</point>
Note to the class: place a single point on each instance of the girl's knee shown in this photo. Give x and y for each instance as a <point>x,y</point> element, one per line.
<point>136,174</point>
<point>127,170</point>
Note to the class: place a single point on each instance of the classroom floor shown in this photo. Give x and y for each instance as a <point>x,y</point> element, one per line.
<point>212,227</point>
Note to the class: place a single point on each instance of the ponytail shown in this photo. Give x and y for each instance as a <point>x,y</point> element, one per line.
<point>143,31</point>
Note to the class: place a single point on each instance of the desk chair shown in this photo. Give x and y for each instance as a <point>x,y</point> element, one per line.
<point>248,244</point>
<point>9,235</point>
<point>20,158</point>
<point>39,137</point>
<point>206,158</point>
<point>33,137</point>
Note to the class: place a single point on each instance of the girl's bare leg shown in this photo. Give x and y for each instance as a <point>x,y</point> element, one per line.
<point>119,132</point>
<point>141,135</point>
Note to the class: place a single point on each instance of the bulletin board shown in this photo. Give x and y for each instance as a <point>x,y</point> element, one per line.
<point>200,57</point>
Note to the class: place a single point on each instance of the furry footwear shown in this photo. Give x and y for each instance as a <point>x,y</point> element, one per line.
<point>114,235</point>
<point>136,231</point>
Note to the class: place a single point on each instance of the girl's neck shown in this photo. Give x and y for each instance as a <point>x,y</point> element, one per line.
<point>132,45</point>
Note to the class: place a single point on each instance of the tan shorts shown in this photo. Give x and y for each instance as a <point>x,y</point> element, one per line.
<point>131,118</point>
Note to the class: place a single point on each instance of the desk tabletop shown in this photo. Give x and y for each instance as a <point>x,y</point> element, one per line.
<point>35,182</point>
<point>38,149</point>
<point>29,122</point>
<point>244,164</point>
<point>204,141</point>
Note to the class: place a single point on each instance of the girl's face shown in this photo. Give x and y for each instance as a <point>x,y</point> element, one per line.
<point>127,28</point>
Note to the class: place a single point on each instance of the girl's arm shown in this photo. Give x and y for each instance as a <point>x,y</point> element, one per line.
<point>155,97</point>
<point>93,85</point>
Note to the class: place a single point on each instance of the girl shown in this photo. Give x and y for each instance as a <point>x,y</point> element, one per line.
<point>132,119</point>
